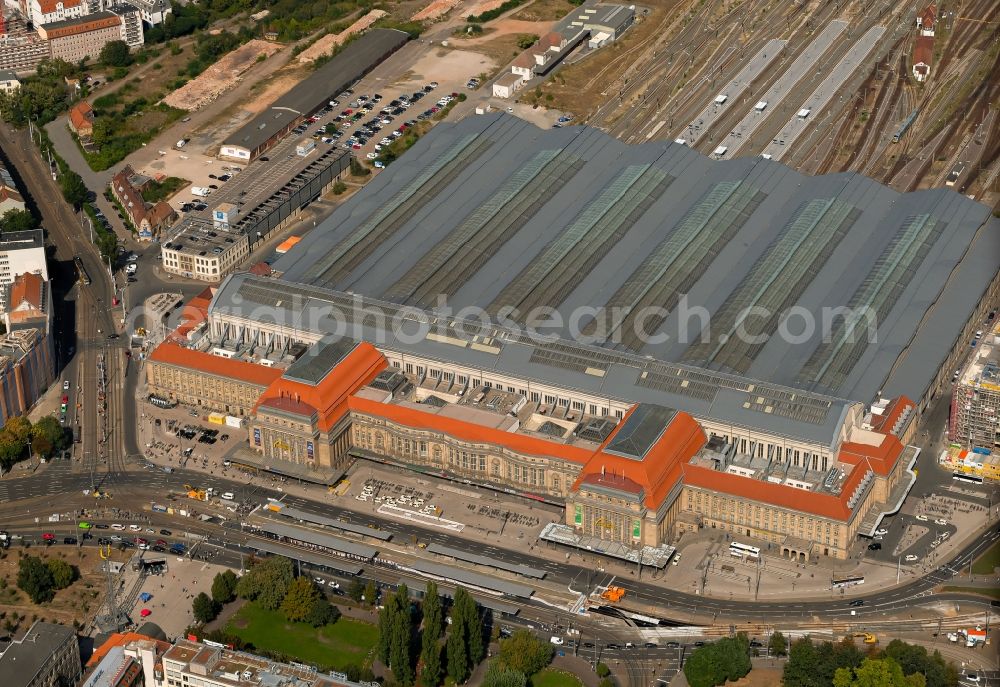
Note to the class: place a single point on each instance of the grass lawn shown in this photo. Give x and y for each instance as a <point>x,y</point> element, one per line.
<point>161,190</point>
<point>983,591</point>
<point>551,677</point>
<point>332,647</point>
<point>985,564</point>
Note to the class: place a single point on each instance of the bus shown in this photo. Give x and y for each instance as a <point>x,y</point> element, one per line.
<point>740,550</point>
<point>81,271</point>
<point>962,477</point>
<point>847,582</point>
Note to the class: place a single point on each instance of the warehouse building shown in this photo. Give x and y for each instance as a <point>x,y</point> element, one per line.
<point>312,94</point>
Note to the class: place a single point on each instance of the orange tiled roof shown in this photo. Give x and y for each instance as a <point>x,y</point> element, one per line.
<point>171,353</point>
<point>49,6</point>
<point>121,639</point>
<point>194,313</point>
<point>330,397</point>
<point>469,431</point>
<point>8,193</point>
<point>928,17</point>
<point>659,469</point>
<point>27,288</point>
<point>81,114</point>
<point>885,422</point>
<point>881,458</point>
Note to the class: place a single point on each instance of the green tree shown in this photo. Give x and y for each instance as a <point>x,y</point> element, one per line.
<point>63,574</point>
<point>371,593</point>
<point>800,667</point>
<point>914,660</point>
<point>607,682</point>
<point>602,670</point>
<point>205,610</point>
<point>431,669</point>
<point>879,672</point>
<point>267,582</point>
<point>330,128</point>
<point>430,649</point>
<point>526,40</point>
<point>224,587</point>
<point>49,428</point>
<point>17,220</point>
<point>35,579</point>
<point>322,613</point>
<point>299,599</point>
<point>702,668</point>
<point>777,645</point>
<point>355,590</point>
<point>115,54</point>
<point>74,191</point>
<point>401,637</point>
<point>525,652</point>
<point>499,675</point>
<point>458,656</point>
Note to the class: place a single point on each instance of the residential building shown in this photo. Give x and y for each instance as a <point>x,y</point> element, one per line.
<point>116,669</point>
<point>27,369</point>
<point>146,651</point>
<point>192,663</point>
<point>10,196</point>
<point>41,12</point>
<point>8,79</point>
<point>21,49</point>
<point>81,37</point>
<point>131,24</point>
<point>151,12</point>
<point>81,119</point>
<point>923,55</point>
<point>20,252</point>
<point>975,399</point>
<point>148,219</point>
<point>27,303</point>
<point>47,656</point>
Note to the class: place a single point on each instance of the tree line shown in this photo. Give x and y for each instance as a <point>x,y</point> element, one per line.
<point>19,437</point>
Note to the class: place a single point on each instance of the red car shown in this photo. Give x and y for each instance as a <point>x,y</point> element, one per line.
<point>348,111</point>
<point>161,542</point>
<point>48,536</point>
<point>65,398</point>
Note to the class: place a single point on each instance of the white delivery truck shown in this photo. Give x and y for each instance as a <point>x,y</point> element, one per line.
<point>181,143</point>
<point>201,191</point>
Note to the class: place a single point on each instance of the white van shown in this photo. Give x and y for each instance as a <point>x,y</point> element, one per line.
<point>228,496</point>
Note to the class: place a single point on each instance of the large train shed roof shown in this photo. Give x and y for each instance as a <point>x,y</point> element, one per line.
<point>494,212</point>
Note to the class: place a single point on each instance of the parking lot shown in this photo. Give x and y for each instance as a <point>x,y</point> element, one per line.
<point>481,513</point>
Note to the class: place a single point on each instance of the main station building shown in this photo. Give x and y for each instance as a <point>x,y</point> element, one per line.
<point>621,330</point>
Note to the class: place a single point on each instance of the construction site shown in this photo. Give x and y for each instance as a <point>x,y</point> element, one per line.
<point>899,92</point>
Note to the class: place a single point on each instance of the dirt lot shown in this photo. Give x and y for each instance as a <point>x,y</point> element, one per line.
<point>221,76</point>
<point>543,10</point>
<point>76,602</point>
<point>499,42</point>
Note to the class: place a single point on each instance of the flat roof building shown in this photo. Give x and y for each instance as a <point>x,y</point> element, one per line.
<point>355,60</point>
<point>47,656</point>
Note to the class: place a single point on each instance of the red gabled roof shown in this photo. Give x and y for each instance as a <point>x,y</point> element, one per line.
<point>923,50</point>
<point>928,17</point>
<point>885,422</point>
<point>172,354</point>
<point>81,114</point>
<point>27,288</point>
